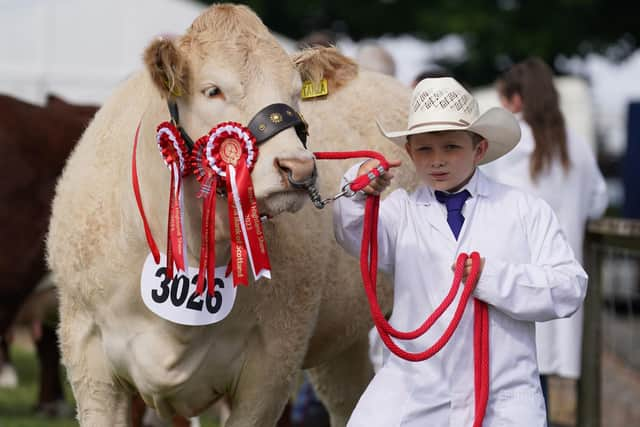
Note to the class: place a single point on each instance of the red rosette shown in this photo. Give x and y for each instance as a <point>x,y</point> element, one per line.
<point>225,144</point>
<point>173,148</point>
<point>176,156</point>
<point>228,153</point>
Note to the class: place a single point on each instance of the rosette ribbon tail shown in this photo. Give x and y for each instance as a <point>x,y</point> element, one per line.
<point>175,238</point>
<point>169,227</point>
<point>246,205</point>
<point>211,239</point>
<point>206,271</point>
<point>238,247</point>
<point>177,235</point>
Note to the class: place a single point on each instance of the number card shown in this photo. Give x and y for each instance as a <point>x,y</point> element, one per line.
<point>175,298</point>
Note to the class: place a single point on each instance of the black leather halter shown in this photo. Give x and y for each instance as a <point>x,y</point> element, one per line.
<point>267,123</point>
<point>175,118</point>
<point>275,118</point>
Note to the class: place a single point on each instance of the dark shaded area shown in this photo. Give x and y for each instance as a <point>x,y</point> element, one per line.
<point>34,144</point>
<point>631,171</point>
<point>497,32</point>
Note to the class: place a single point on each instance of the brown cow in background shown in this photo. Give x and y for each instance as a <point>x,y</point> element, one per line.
<point>35,142</point>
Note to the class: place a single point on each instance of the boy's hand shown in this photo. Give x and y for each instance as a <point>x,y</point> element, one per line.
<point>379,184</point>
<point>467,269</point>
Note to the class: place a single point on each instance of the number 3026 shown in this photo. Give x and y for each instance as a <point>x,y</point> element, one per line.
<point>179,290</point>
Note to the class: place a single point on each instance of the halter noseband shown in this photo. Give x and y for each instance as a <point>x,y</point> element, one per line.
<point>267,123</point>
<point>275,118</point>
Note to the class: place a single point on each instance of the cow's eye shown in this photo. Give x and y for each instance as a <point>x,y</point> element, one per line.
<point>212,92</point>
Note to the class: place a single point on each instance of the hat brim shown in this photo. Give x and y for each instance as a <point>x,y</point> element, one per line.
<point>498,126</point>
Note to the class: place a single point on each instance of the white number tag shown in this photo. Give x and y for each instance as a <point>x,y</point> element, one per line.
<point>176,300</point>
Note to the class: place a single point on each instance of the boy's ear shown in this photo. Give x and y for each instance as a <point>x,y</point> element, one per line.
<point>407,147</point>
<point>481,150</point>
<point>168,68</point>
<point>325,62</point>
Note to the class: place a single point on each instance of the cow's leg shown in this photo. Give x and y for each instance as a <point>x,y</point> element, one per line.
<point>4,351</point>
<point>267,379</point>
<point>340,382</point>
<point>51,391</point>
<point>8,374</point>
<point>101,401</point>
<point>138,408</point>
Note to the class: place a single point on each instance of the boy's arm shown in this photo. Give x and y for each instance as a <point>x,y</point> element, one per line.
<point>553,285</point>
<point>348,220</point>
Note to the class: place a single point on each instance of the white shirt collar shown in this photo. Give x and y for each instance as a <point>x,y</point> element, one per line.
<point>477,186</point>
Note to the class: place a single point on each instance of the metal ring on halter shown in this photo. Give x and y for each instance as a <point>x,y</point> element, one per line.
<point>305,183</point>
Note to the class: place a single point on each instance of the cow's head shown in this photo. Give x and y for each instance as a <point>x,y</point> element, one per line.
<point>228,67</point>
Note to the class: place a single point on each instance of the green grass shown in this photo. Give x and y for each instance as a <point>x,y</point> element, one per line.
<point>16,405</point>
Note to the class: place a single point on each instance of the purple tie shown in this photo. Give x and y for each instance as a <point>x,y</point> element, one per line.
<point>454,204</point>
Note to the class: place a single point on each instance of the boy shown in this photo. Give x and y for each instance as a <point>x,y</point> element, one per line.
<point>528,273</point>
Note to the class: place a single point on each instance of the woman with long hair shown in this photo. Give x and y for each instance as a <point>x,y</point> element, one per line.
<point>553,163</point>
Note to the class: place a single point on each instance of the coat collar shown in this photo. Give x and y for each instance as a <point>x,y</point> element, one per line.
<point>479,186</point>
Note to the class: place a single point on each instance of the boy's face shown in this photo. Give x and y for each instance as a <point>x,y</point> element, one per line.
<point>445,160</point>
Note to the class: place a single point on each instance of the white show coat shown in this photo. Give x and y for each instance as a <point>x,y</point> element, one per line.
<point>574,196</point>
<point>530,274</point>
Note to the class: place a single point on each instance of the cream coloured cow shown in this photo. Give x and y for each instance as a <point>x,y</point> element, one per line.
<point>312,314</point>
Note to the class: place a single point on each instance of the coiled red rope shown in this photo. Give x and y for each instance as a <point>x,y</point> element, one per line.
<point>369,269</point>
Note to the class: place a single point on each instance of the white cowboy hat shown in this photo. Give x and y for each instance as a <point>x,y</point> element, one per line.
<point>439,104</point>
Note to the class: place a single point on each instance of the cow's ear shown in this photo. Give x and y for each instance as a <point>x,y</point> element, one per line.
<point>317,63</point>
<point>168,68</point>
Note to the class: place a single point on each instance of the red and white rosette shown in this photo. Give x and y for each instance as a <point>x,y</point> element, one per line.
<point>228,153</point>
<point>175,154</point>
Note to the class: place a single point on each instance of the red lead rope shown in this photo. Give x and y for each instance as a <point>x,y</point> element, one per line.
<point>369,268</point>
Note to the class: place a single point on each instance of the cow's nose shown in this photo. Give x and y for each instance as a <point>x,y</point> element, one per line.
<point>297,170</point>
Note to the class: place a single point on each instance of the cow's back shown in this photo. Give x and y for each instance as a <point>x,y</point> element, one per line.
<point>92,210</point>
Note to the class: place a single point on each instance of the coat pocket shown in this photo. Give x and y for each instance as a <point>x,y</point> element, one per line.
<point>522,409</point>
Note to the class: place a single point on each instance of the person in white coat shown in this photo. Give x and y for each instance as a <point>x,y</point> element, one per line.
<point>556,165</point>
<point>529,272</point>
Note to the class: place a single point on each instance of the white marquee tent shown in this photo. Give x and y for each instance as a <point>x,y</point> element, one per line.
<point>80,49</point>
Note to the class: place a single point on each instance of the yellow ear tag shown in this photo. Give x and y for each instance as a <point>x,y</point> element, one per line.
<point>173,89</point>
<point>314,89</point>
<point>176,92</point>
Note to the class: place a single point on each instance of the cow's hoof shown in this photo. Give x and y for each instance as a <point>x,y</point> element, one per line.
<point>55,409</point>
